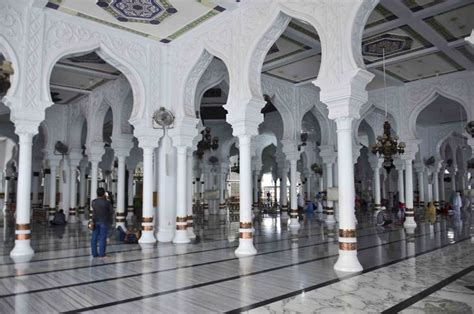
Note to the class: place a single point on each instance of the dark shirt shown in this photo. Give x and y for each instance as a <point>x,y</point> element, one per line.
<point>59,219</point>
<point>101,210</point>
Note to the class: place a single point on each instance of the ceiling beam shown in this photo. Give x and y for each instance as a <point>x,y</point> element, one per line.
<point>71,89</point>
<point>86,71</point>
<point>406,16</point>
<point>407,56</point>
<point>271,65</point>
<point>302,38</point>
<point>422,14</point>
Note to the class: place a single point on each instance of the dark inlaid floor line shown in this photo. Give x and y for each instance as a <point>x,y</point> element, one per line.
<point>154,247</point>
<point>193,265</point>
<point>240,276</point>
<point>181,254</point>
<point>332,281</point>
<point>430,290</point>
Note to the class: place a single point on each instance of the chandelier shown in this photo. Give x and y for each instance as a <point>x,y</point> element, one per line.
<point>6,71</point>
<point>387,146</point>
<point>207,143</point>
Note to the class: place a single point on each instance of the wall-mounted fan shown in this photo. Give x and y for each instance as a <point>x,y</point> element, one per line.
<point>163,118</point>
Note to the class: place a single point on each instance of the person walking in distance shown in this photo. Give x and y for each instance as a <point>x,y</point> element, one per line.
<point>101,214</point>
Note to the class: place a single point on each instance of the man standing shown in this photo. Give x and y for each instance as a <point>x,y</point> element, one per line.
<point>101,218</point>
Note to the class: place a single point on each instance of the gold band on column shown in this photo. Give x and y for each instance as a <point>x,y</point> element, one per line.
<point>347,246</point>
<point>329,210</point>
<point>181,219</point>
<point>347,233</point>
<point>245,235</point>
<point>190,217</point>
<point>181,227</point>
<point>147,228</point>
<point>72,212</point>
<point>22,227</point>
<point>245,225</point>
<point>147,219</point>
<point>294,213</point>
<point>23,236</point>
<point>409,212</point>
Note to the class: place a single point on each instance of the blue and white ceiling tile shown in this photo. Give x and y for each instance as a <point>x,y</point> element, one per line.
<point>138,11</point>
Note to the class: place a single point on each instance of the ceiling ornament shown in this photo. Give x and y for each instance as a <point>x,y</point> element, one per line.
<point>387,146</point>
<point>138,11</point>
<point>389,43</point>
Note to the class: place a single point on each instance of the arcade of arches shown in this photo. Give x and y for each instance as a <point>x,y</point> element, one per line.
<point>265,193</point>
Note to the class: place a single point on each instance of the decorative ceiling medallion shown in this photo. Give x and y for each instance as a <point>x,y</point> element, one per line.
<point>138,11</point>
<point>390,42</point>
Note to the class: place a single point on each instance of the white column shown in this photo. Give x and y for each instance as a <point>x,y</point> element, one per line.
<point>401,192</point>
<point>65,186</point>
<point>189,195</point>
<point>329,204</point>
<point>377,198</point>
<point>35,189</point>
<point>82,191</point>
<point>409,213</point>
<point>52,190</point>
<point>148,213</point>
<point>120,218</point>
<point>22,246</point>
<point>73,195</point>
<point>255,190</point>
<point>284,196</point>
<point>347,260</point>
<point>222,188</point>
<point>94,178</point>
<point>131,172</point>
<point>181,235</point>
<point>7,194</point>
<point>47,176</point>
<point>293,195</point>
<point>436,190</point>
<point>442,188</point>
<point>421,189</point>
<point>246,247</point>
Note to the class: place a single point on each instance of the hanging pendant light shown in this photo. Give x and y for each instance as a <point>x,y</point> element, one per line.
<point>387,146</point>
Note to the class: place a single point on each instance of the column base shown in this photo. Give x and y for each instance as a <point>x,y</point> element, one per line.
<point>73,219</point>
<point>284,214</point>
<point>409,222</point>
<point>181,237</point>
<point>330,219</point>
<point>348,262</point>
<point>165,235</point>
<point>22,250</point>
<point>294,223</point>
<point>147,237</point>
<point>245,248</point>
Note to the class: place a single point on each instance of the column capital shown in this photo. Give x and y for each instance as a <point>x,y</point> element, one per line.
<point>399,164</point>
<point>410,150</point>
<point>245,121</point>
<point>95,150</point>
<point>419,167</point>
<point>122,144</point>
<point>26,127</point>
<point>290,149</point>
<point>184,132</point>
<point>375,162</point>
<point>75,157</point>
<point>346,99</point>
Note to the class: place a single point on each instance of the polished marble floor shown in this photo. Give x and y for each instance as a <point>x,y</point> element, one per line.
<point>427,271</point>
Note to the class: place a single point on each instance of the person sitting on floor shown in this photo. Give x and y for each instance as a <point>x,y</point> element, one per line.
<point>126,236</point>
<point>59,218</point>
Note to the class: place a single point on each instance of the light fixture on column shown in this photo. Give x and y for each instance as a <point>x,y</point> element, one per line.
<point>208,142</point>
<point>6,71</point>
<point>60,148</point>
<point>387,146</point>
<point>303,140</point>
<point>470,128</point>
<point>317,169</point>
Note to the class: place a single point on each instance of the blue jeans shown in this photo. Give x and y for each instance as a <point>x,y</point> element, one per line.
<point>100,234</point>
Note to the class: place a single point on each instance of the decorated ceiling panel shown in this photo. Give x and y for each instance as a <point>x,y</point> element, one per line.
<point>163,20</point>
<point>299,71</point>
<point>418,5</point>
<point>454,24</point>
<point>422,67</point>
